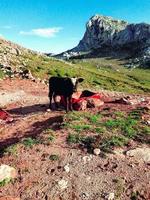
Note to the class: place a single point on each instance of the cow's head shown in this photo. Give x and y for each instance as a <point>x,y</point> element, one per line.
<point>75,82</point>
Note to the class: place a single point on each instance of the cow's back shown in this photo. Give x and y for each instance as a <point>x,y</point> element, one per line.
<point>61,86</point>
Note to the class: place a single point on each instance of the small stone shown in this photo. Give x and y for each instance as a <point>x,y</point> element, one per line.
<point>86,159</point>
<point>7,172</point>
<point>110,196</point>
<point>48,110</point>
<point>63,184</point>
<point>66,168</point>
<point>140,154</point>
<point>88,179</point>
<point>96,151</point>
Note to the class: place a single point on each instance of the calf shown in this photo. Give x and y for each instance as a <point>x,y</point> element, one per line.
<point>63,87</point>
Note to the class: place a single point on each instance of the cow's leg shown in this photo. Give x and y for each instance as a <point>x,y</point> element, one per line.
<point>70,103</point>
<point>67,103</point>
<point>56,104</point>
<point>50,99</point>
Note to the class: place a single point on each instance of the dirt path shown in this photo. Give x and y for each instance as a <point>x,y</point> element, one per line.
<point>39,178</point>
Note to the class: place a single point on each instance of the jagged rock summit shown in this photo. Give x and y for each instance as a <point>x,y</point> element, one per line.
<point>105,36</point>
<point>100,30</point>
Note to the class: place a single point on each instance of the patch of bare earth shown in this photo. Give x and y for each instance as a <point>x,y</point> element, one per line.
<point>75,174</point>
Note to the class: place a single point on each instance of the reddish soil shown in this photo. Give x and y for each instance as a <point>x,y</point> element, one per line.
<point>90,177</point>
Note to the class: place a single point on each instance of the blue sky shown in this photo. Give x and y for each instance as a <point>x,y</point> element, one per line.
<point>58,25</point>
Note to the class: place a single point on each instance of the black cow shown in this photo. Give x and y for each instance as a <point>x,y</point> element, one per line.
<point>63,86</point>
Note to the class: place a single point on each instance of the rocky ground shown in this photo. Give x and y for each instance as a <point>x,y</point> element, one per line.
<point>55,170</point>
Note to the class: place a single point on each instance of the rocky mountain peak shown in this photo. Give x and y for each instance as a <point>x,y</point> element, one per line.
<point>105,36</point>
<point>99,30</point>
<point>105,20</point>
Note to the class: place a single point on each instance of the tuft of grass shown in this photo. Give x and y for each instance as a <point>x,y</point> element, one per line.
<point>73,138</point>
<point>146,130</point>
<point>80,128</point>
<point>119,188</point>
<point>136,113</point>
<point>113,123</point>
<point>30,142</point>
<point>5,181</point>
<point>94,118</point>
<point>11,149</point>
<point>100,130</point>
<point>54,157</point>
<point>114,141</point>
<point>134,196</point>
<point>86,141</point>
<point>129,131</point>
<point>1,74</point>
<point>119,114</point>
<point>51,138</point>
<point>125,125</point>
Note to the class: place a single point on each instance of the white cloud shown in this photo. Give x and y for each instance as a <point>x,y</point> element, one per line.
<point>42,32</point>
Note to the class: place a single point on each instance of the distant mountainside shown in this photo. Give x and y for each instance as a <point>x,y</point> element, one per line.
<point>105,36</point>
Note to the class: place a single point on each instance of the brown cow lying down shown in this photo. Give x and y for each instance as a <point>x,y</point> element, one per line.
<point>86,100</point>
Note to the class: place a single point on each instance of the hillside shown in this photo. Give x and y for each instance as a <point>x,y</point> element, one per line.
<point>14,58</point>
<point>102,73</point>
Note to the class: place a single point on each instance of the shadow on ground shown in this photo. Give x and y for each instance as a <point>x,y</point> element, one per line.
<point>29,109</point>
<point>35,130</point>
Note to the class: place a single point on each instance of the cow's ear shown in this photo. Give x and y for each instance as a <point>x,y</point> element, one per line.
<point>80,80</point>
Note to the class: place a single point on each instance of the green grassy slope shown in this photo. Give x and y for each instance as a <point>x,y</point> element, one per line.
<point>110,74</point>
<point>100,73</point>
